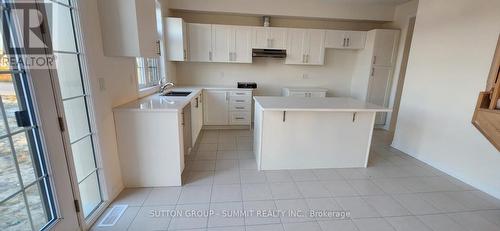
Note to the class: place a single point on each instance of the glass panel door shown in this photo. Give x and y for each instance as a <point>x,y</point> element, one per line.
<point>76,100</point>
<point>27,201</point>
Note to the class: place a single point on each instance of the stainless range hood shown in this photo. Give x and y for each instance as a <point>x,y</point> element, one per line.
<point>270,53</point>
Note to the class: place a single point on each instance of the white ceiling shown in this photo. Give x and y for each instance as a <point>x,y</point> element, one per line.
<point>388,2</point>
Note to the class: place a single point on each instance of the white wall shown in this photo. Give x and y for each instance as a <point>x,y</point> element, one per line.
<point>120,82</point>
<point>294,8</point>
<point>271,74</point>
<point>401,18</point>
<point>451,54</point>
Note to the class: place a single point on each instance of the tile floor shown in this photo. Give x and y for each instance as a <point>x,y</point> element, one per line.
<point>396,192</point>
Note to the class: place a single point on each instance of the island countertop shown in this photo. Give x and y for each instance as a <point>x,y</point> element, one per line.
<point>274,103</point>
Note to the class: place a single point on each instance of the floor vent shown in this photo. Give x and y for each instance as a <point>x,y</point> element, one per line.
<point>113,215</point>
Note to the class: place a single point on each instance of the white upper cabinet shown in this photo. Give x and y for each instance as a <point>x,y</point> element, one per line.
<point>305,47</point>
<point>221,37</point>
<point>242,48</point>
<point>129,28</point>
<point>176,39</point>
<point>269,38</point>
<point>340,39</point>
<point>384,47</point>
<point>200,42</point>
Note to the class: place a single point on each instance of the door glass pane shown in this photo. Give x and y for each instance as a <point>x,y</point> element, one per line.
<point>37,207</point>
<point>61,28</point>
<point>76,117</point>
<point>90,194</point>
<point>68,72</point>
<point>83,156</point>
<point>24,160</point>
<point>10,102</point>
<point>13,214</point>
<point>9,180</point>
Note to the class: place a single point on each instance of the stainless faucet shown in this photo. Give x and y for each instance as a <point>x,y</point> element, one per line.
<point>165,86</point>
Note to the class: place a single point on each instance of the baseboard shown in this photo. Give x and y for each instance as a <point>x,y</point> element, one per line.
<point>227,127</point>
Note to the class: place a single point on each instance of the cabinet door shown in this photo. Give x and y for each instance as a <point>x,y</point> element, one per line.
<point>260,36</point>
<point>277,38</point>
<point>316,47</point>
<point>378,90</point>
<point>384,50</point>
<point>335,39</point>
<point>222,42</point>
<point>216,107</point>
<point>298,94</point>
<point>355,39</point>
<point>176,39</point>
<point>318,94</point>
<point>196,118</point>
<point>295,46</point>
<point>200,42</point>
<point>242,52</point>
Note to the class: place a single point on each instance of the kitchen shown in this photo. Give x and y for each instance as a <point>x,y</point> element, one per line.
<point>257,102</point>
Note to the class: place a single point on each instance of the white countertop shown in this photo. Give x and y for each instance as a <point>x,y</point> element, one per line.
<point>272,103</point>
<point>155,102</point>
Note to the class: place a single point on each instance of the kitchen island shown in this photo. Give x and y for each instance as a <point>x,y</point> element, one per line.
<point>312,133</point>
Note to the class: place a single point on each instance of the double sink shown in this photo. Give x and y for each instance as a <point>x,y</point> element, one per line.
<point>177,93</point>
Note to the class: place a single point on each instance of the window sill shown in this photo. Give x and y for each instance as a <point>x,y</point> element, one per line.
<point>143,92</point>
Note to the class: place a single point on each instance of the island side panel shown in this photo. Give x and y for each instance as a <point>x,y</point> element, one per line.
<point>148,147</point>
<point>257,142</point>
<point>315,139</point>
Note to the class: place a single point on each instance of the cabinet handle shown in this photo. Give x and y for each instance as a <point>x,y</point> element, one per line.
<point>197,102</point>
<point>343,44</point>
<point>374,59</point>
<point>240,101</point>
<point>373,72</point>
<point>239,93</point>
<point>240,108</point>
<point>158,48</point>
<point>210,55</point>
<point>182,122</point>
<point>185,54</point>
<point>240,118</point>
<point>348,42</point>
<point>353,117</point>
<point>284,116</point>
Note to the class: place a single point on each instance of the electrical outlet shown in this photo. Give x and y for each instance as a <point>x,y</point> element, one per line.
<point>102,84</point>
<point>305,76</point>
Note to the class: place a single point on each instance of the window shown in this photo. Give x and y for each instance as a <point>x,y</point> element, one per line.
<point>148,72</point>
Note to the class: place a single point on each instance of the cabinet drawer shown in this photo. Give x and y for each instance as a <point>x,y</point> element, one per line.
<point>241,99</point>
<point>241,93</point>
<point>240,118</point>
<point>240,107</point>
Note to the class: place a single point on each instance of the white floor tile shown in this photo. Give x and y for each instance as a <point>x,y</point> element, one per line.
<point>386,206</point>
<point>226,193</point>
<point>257,216</point>
<point>357,207</point>
<point>284,191</point>
<point>278,176</point>
<point>339,188</point>
<point>441,222</point>
<point>252,176</point>
<point>226,214</point>
<point>409,223</point>
<point>415,204</point>
<point>192,216</point>
<point>371,224</point>
<point>365,187</point>
<point>195,194</point>
<point>256,192</point>
<point>309,226</point>
<point>163,196</point>
<point>152,218</point>
<point>295,210</point>
<point>327,174</point>
<point>303,175</point>
<point>312,189</point>
<point>133,196</point>
<point>272,227</point>
<point>338,225</point>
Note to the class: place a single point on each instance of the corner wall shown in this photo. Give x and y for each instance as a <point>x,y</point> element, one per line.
<point>451,55</point>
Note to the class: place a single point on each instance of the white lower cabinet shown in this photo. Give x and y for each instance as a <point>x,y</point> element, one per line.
<point>305,92</point>
<point>227,107</point>
<point>196,118</point>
